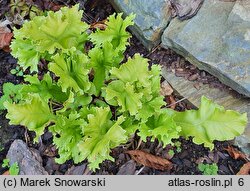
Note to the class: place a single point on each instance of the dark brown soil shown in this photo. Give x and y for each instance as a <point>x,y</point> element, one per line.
<point>185,159</point>
<point>185,162</point>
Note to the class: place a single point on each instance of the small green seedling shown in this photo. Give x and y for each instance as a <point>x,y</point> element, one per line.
<point>177,143</point>
<point>13,169</point>
<point>171,152</point>
<point>5,163</point>
<point>17,71</point>
<point>178,146</point>
<point>208,169</point>
<point>178,150</point>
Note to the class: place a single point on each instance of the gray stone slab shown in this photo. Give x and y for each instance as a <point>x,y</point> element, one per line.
<point>152,17</point>
<point>29,161</point>
<point>217,40</point>
<point>186,89</point>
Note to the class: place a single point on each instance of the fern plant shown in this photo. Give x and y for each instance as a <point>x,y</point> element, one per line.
<point>94,103</point>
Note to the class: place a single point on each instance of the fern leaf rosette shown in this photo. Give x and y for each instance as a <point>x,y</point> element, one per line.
<point>90,100</point>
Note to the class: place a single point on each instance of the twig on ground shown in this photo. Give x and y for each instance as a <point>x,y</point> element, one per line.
<point>177,102</point>
<point>139,144</point>
<point>153,50</point>
<point>140,170</point>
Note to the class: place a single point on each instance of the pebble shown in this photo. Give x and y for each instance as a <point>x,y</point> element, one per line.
<point>187,163</point>
<point>180,73</point>
<point>197,86</point>
<point>51,166</point>
<point>47,137</point>
<point>183,154</point>
<point>224,169</point>
<point>203,74</point>
<point>177,161</point>
<point>128,168</point>
<point>193,77</point>
<point>77,170</point>
<point>166,89</point>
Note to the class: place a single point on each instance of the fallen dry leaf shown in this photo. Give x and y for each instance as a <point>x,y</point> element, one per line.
<point>5,36</point>
<point>51,6</point>
<point>6,172</point>
<point>5,40</point>
<point>235,154</point>
<point>150,160</point>
<point>50,151</point>
<point>245,169</point>
<point>172,104</point>
<point>99,25</point>
<point>166,89</point>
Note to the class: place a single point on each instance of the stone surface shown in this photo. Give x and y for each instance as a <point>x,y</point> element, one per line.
<point>186,9</point>
<point>29,160</point>
<point>152,17</point>
<point>217,40</point>
<point>77,170</point>
<point>128,168</point>
<point>186,89</point>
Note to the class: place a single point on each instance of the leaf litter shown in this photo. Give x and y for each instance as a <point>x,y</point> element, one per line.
<point>245,169</point>
<point>236,154</point>
<point>5,35</point>
<point>150,160</point>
